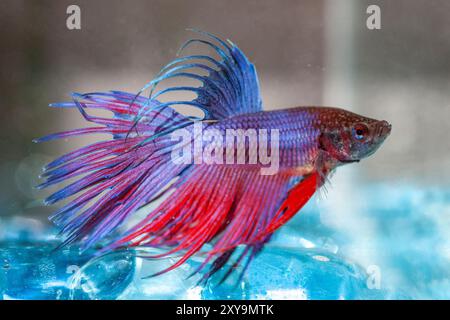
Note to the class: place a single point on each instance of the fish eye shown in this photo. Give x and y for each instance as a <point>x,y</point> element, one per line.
<point>360,131</point>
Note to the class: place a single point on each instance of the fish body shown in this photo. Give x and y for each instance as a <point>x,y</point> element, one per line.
<point>308,135</point>
<point>297,133</point>
<point>229,198</point>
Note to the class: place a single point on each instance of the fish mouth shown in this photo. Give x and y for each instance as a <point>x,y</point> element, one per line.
<point>346,161</point>
<point>382,129</point>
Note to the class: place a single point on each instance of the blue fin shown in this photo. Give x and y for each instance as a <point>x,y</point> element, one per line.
<point>230,87</point>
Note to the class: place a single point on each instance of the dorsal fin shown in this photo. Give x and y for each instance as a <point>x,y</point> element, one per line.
<point>230,87</point>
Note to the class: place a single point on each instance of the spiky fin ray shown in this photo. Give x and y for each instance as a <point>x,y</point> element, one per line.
<point>238,207</point>
<point>230,88</point>
<point>119,174</point>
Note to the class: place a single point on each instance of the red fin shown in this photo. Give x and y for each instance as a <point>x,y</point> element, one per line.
<point>236,206</point>
<point>296,199</point>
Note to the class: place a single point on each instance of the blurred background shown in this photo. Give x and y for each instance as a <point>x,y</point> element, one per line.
<point>307,52</point>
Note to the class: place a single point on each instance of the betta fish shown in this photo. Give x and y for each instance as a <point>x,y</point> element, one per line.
<point>227,205</point>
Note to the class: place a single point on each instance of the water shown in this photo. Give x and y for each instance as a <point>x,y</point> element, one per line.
<point>37,271</point>
<point>296,274</point>
<point>400,252</point>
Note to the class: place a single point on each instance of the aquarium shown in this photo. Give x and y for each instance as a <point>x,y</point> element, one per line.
<point>130,186</point>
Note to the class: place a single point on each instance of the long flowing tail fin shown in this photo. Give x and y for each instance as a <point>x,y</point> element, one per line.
<point>115,177</point>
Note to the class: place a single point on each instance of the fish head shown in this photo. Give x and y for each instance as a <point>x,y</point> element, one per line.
<point>348,137</point>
